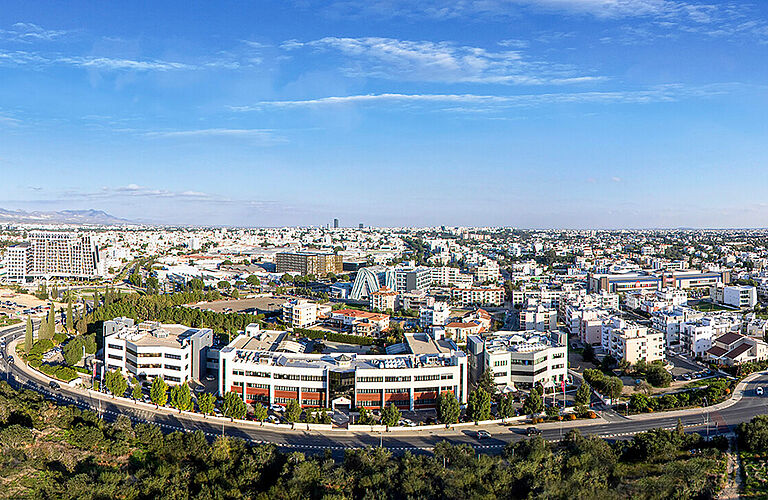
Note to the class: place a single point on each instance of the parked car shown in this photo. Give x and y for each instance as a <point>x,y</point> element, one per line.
<point>10,360</point>
<point>54,385</point>
<point>759,391</point>
<point>199,389</point>
<point>277,407</point>
<point>533,431</point>
<point>483,434</point>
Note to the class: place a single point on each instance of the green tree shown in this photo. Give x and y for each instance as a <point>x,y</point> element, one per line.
<point>253,280</point>
<point>224,285</point>
<point>115,383</point>
<point>205,402</point>
<point>533,404</point>
<point>136,392</point>
<point>365,417</point>
<point>448,408</point>
<point>292,411</point>
<point>486,382</point>
<point>657,376</point>
<point>505,407</point>
<point>583,394</point>
<point>73,351</point>
<point>181,397</point>
<point>260,412</point>
<point>479,405</point>
<point>81,325</point>
<point>287,278</point>
<point>70,318</point>
<point>29,336</point>
<point>614,386</point>
<point>390,415</point>
<point>158,392</point>
<point>233,406</point>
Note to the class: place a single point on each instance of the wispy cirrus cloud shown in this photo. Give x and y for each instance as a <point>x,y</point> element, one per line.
<point>265,136</point>
<point>714,19</point>
<point>663,93</point>
<point>24,58</point>
<point>395,59</point>
<point>29,32</point>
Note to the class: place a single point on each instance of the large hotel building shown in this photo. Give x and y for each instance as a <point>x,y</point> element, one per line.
<point>53,255</point>
<point>264,367</point>
<point>305,263</point>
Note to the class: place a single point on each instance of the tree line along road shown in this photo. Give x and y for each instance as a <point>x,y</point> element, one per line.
<point>723,418</point>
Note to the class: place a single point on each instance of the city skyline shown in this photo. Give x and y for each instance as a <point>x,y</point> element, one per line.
<point>524,113</point>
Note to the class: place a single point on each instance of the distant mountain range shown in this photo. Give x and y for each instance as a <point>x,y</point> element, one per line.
<point>97,217</point>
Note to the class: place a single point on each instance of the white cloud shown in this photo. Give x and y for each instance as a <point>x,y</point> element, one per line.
<point>262,135</point>
<point>664,93</point>
<point>29,32</point>
<point>391,58</point>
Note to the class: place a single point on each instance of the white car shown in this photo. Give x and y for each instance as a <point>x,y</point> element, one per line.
<point>759,391</point>
<point>277,407</point>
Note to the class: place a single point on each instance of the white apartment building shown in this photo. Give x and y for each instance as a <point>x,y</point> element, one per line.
<point>18,262</point>
<point>251,367</point>
<point>539,318</point>
<point>451,276</point>
<point>176,353</point>
<point>520,359</point>
<point>299,313</point>
<point>53,255</point>
<point>484,296</point>
<point>384,299</point>
<point>631,342</point>
<point>488,272</point>
<point>65,255</point>
<point>436,315</point>
<point>696,336</point>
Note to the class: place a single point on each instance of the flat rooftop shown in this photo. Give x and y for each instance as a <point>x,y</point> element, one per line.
<point>422,343</point>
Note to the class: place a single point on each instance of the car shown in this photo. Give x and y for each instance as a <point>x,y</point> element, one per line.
<point>759,391</point>
<point>209,377</point>
<point>217,412</point>
<point>533,431</point>
<point>10,360</point>
<point>483,434</point>
<point>276,407</point>
<point>54,385</point>
<point>687,376</point>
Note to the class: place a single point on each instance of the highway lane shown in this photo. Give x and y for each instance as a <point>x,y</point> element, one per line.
<point>720,421</point>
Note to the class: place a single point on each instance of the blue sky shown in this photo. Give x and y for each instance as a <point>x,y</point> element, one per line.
<point>530,113</point>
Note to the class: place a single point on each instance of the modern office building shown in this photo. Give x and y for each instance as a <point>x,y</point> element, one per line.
<point>252,367</point>
<point>304,263</point>
<point>370,280</point>
<point>735,296</point>
<point>520,359</point>
<point>408,279</point>
<point>647,280</point>
<point>335,223</point>
<point>176,353</point>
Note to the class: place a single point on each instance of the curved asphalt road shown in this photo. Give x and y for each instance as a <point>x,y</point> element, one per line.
<point>718,419</point>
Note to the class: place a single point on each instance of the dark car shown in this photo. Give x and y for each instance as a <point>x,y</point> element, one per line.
<point>54,385</point>
<point>10,359</point>
<point>533,431</point>
<point>483,434</point>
